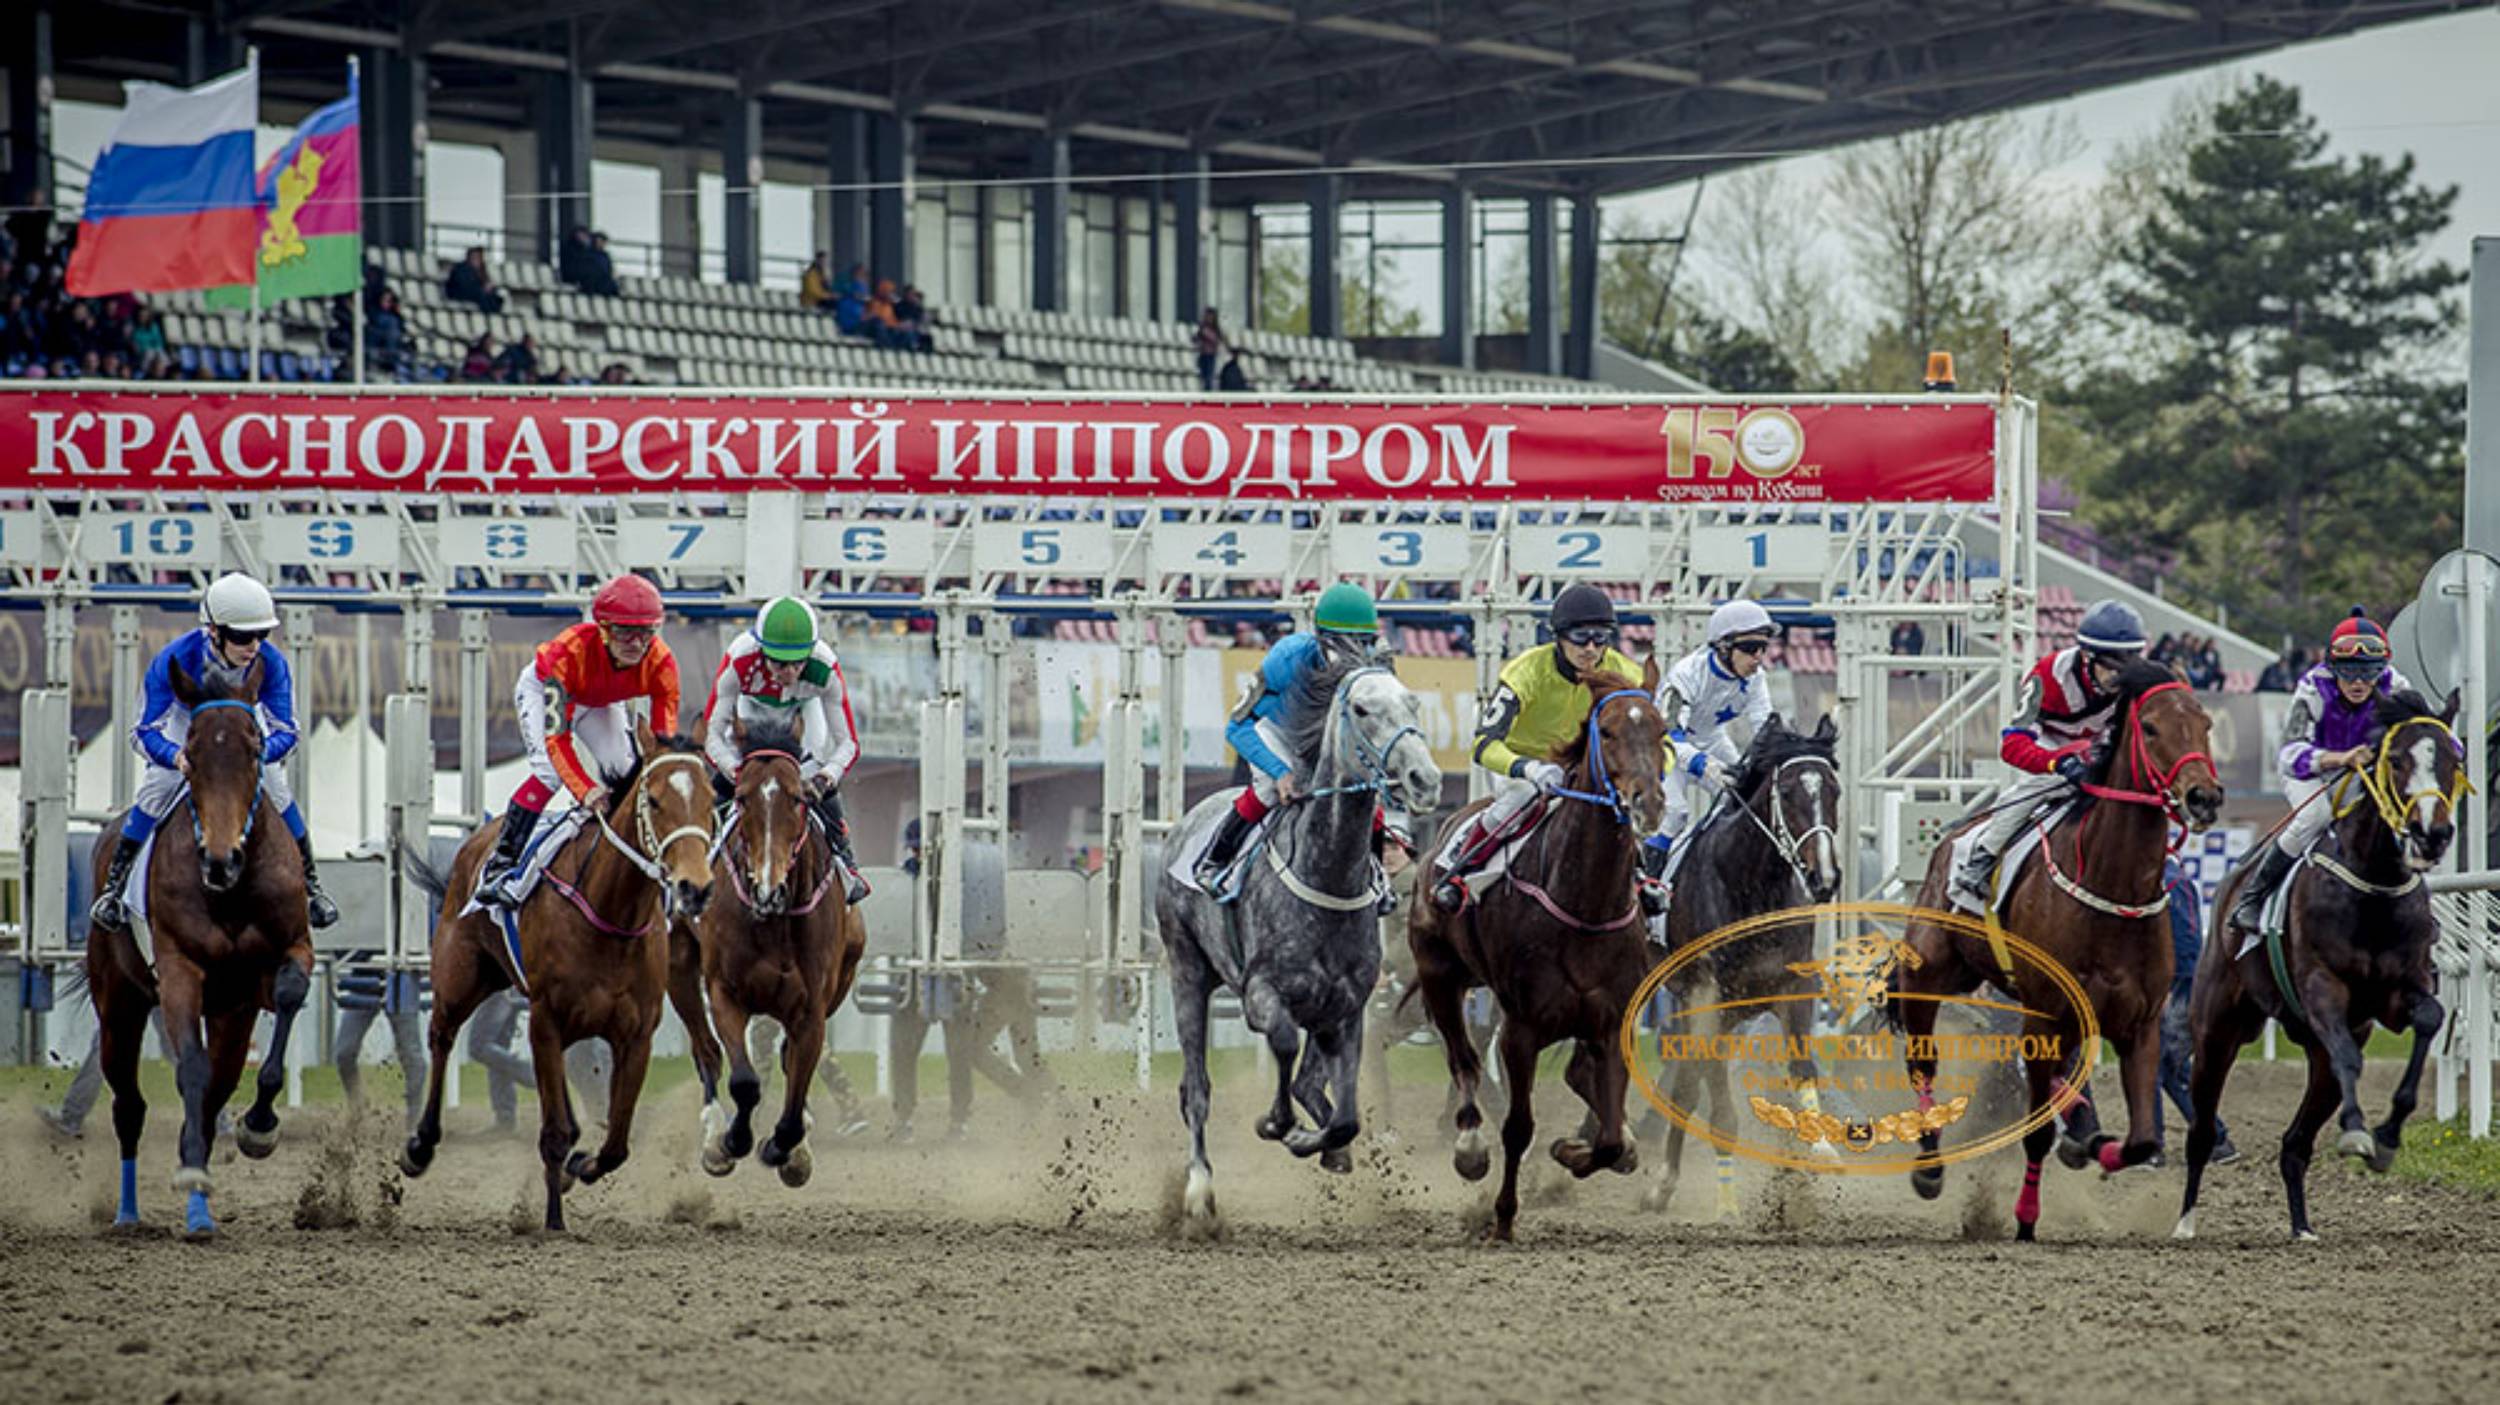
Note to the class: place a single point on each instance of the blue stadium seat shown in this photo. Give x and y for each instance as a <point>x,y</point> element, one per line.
<point>290,367</point>
<point>229,364</point>
<point>188,358</point>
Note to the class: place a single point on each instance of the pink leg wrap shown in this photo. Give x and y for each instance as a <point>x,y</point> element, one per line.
<point>2113,1156</point>
<point>2027,1204</point>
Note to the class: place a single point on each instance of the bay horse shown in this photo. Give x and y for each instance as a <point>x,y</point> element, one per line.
<point>593,952</point>
<point>2356,949</point>
<point>231,935</point>
<point>2151,769</point>
<point>1556,974</point>
<point>789,947</point>
<point>1300,942</point>
<point>1770,843</point>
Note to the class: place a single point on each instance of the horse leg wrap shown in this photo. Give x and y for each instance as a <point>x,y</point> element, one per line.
<point>2027,1202</point>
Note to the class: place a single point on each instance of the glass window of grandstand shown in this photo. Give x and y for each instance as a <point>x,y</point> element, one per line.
<point>1010,245</point>
<point>960,283</point>
<point>1235,246</point>
<point>928,251</point>
<point>625,197</point>
<point>464,204</point>
<point>1136,254</point>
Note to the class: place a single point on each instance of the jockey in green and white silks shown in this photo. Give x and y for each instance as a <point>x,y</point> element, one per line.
<point>782,673</point>
<point>1704,697</point>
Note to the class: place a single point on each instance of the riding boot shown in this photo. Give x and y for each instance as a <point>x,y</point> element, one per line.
<point>107,910</point>
<point>324,912</point>
<point>505,863</point>
<point>1652,885</point>
<point>1450,894</point>
<point>838,834</point>
<point>1970,881</point>
<point>1229,832</point>
<point>2272,866</point>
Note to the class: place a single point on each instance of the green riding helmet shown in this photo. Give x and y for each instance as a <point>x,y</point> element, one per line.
<point>786,628</point>
<point>1346,608</point>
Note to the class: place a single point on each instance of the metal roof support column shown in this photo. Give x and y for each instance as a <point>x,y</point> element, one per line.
<point>393,123</point>
<point>208,50</point>
<point>26,157</point>
<point>1544,327</point>
<point>1050,222</point>
<point>1189,235</point>
<point>847,171</point>
<point>565,107</point>
<point>1154,310</point>
<point>1327,302</point>
<point>1580,352</point>
<point>742,189</point>
<point>1458,278</point>
<point>889,220</point>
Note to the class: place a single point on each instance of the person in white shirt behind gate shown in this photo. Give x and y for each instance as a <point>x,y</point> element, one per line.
<point>1704,697</point>
<point>2067,705</point>
<point>237,617</point>
<point>779,667</point>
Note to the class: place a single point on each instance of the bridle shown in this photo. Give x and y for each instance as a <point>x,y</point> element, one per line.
<point>645,860</point>
<point>809,827</point>
<point>251,816</point>
<point>2140,757</point>
<point>1605,793</point>
<point>1368,760</point>
<point>1786,842</point>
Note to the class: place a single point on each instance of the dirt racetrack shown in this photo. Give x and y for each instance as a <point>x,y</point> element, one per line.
<point>1043,1262</point>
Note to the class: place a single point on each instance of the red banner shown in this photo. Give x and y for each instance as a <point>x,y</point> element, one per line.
<point>1734,451</point>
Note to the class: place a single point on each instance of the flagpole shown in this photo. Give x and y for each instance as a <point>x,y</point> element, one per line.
<point>254,376</point>
<point>356,305</point>
<point>251,59</point>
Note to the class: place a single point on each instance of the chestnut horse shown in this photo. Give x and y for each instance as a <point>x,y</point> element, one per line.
<point>788,948</point>
<point>2356,949</point>
<point>2092,899</point>
<point>1560,942</point>
<point>593,952</point>
<point>226,918</point>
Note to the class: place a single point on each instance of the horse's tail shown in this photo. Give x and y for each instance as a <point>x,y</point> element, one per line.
<point>420,871</point>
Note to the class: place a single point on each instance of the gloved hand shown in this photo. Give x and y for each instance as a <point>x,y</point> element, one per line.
<point>1545,776</point>
<point>1714,771</point>
<point>2072,770</point>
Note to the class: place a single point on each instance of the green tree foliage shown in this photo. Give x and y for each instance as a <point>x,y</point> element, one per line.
<point>1372,306</point>
<point>1640,310</point>
<point>2288,433</point>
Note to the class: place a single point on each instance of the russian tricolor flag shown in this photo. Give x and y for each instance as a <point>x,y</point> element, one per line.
<point>171,203</point>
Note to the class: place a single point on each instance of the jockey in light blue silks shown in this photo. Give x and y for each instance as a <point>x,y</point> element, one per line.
<point>236,619</point>
<point>1709,691</point>
<point>1345,631</point>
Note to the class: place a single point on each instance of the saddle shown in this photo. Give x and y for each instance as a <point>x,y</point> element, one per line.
<point>1513,838</point>
<point>2027,841</point>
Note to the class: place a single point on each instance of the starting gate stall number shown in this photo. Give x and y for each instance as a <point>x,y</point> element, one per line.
<point>151,538</point>
<point>342,543</point>
<point>507,543</point>
<point>1776,551</point>
<point>1220,549</point>
<point>1043,548</point>
<point>883,545</point>
<point>682,543</point>
<point>1419,548</point>
<point>21,538</point>
<point>1614,553</point>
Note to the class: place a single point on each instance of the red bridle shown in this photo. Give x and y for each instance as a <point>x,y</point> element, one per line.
<point>2140,757</point>
<point>798,846</point>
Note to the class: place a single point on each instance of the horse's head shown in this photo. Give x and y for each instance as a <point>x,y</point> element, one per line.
<point>1375,730</point>
<point>769,830</point>
<point>221,756</point>
<point>1792,784</point>
<point>665,809</point>
<point>2415,775</point>
<point>2163,743</point>
<point>1624,746</point>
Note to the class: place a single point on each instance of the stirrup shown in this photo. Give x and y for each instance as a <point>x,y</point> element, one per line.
<point>1450,894</point>
<point>320,908</point>
<point>1654,894</point>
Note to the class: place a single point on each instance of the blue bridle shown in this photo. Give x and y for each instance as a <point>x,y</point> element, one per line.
<point>251,816</point>
<point>1373,761</point>
<point>1606,794</point>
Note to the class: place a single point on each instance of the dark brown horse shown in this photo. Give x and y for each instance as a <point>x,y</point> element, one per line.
<point>232,938</point>
<point>2356,949</point>
<point>1560,942</point>
<point>2092,899</point>
<point>788,947</point>
<point>594,952</point>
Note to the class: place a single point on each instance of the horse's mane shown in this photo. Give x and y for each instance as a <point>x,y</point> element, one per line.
<point>1599,682</point>
<point>670,744</point>
<point>1776,745</point>
<point>2402,705</point>
<point>769,734</point>
<point>1306,708</point>
<point>2137,678</point>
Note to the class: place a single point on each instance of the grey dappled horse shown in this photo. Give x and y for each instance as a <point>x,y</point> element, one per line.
<point>1301,949</point>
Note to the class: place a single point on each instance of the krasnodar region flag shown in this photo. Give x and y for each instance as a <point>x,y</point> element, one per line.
<point>170,204</point>
<point>311,237</point>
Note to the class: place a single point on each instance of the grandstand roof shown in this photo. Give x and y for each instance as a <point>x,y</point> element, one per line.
<point>1631,90</point>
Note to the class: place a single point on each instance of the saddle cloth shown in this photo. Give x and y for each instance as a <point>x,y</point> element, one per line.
<point>2274,915</point>
<point>543,848</point>
<point>1523,827</point>
<point>1184,865</point>
<point>2010,863</point>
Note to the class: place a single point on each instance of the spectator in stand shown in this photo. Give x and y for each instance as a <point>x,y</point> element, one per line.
<point>881,323</point>
<point>1909,639</point>
<point>850,300</point>
<point>2284,673</point>
<point>1211,344</point>
<point>2164,650</point>
<point>1234,379</point>
<point>911,318</point>
<point>147,334</point>
<point>602,276</point>
<point>469,282</point>
<point>386,335</point>
<point>616,374</point>
<point>816,284</point>
<point>519,363</point>
<point>479,365</point>
<point>573,257</point>
<point>21,331</point>
<point>71,335</point>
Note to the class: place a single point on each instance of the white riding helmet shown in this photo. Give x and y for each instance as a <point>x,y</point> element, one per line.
<point>236,601</point>
<point>1739,617</point>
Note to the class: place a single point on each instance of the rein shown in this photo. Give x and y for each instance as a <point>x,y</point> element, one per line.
<point>1790,846</point>
<point>1372,762</point>
<point>808,829</point>
<point>647,867</point>
<point>1606,794</point>
<point>2160,797</point>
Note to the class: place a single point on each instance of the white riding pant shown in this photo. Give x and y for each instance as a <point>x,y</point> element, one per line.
<point>2020,801</point>
<point>1511,795</point>
<point>1687,796</point>
<point>1262,784</point>
<point>602,736</point>
<point>2310,817</point>
<point>160,786</point>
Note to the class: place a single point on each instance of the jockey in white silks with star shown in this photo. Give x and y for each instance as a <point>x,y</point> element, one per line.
<point>1705,697</point>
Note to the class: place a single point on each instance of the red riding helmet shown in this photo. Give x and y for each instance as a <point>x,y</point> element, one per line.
<point>627,600</point>
<point>2358,648</point>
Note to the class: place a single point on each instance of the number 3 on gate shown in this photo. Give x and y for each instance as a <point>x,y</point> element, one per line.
<point>1420,549</point>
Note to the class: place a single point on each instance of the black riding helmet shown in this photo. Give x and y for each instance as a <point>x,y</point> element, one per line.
<point>1580,606</point>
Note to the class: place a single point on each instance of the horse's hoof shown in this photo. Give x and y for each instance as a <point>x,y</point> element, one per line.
<point>2186,1227</point>
<point>2026,1234</point>
<point>1340,1161</point>
<point>1928,1181</point>
<point>1302,1141</point>
<point>1273,1129</point>
<point>2304,1236</point>
<point>2357,1144</point>
<point>256,1145</point>
<point>2074,1155</point>
<point>1628,1162</point>
<point>800,1165</point>
<point>1472,1157</point>
<point>581,1168</point>
<point>714,1162</point>
<point>2382,1157</point>
<point>1198,1198</point>
<point>772,1153</point>
<point>414,1158</point>
<point>1657,1197</point>
<point>1571,1154</point>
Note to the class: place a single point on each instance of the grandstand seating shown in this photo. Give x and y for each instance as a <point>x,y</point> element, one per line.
<point>681,331</point>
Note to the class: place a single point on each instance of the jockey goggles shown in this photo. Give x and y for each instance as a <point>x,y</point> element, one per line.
<point>1749,646</point>
<point>1587,634</point>
<point>240,636</point>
